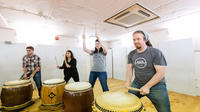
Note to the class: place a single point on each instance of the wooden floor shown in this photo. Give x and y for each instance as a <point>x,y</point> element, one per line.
<point>179,102</point>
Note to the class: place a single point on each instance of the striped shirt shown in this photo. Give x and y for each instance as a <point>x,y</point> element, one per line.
<point>31,63</point>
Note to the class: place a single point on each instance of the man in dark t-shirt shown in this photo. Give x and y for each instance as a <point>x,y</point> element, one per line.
<point>149,65</point>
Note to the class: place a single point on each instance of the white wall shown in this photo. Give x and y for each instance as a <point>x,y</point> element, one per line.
<point>180,72</point>
<point>7,34</point>
<point>196,41</point>
<point>47,54</point>
<point>119,63</point>
<point>109,63</point>
<point>83,63</point>
<point>11,61</point>
<point>159,36</point>
<point>68,42</point>
<point>197,70</point>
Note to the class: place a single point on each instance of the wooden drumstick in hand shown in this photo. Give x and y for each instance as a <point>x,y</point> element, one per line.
<point>134,89</point>
<point>96,35</point>
<point>131,88</point>
<point>65,59</point>
<point>84,27</point>
<point>56,61</point>
<point>95,29</point>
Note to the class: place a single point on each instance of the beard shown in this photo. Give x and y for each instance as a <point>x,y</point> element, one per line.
<point>138,47</point>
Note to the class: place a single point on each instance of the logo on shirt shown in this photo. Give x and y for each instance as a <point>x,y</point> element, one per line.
<point>140,62</point>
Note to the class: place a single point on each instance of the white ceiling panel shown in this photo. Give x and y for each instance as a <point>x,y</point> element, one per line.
<point>68,16</point>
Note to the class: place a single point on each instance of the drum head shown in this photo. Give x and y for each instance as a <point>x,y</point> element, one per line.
<point>53,81</point>
<point>16,82</point>
<point>77,86</point>
<point>118,102</point>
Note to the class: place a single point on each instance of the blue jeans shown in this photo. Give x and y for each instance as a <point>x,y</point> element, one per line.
<point>158,96</point>
<point>102,78</point>
<point>37,79</point>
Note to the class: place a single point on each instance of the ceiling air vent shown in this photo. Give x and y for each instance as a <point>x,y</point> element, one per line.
<point>134,15</point>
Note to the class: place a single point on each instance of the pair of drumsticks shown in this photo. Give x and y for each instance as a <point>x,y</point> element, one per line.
<point>27,78</point>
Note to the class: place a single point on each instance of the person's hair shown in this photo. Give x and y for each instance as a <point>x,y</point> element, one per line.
<point>96,50</point>
<point>72,56</point>
<point>148,43</point>
<point>30,47</point>
<point>96,40</point>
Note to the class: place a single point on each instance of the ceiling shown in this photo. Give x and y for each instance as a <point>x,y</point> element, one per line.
<point>69,16</point>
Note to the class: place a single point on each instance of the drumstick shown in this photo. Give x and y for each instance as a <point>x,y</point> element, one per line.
<point>134,89</point>
<point>131,88</point>
<point>27,78</point>
<point>95,29</point>
<point>84,27</point>
<point>56,61</point>
<point>65,60</point>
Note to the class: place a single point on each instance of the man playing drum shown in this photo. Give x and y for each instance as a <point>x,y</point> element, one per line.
<point>31,67</point>
<point>149,64</point>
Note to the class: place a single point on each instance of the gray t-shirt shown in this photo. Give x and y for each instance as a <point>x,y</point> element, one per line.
<point>144,62</point>
<point>98,62</point>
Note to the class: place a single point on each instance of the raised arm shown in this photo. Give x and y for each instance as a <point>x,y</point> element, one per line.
<point>104,48</point>
<point>84,46</point>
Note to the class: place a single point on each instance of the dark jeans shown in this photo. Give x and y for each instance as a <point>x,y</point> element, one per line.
<point>102,78</point>
<point>37,79</point>
<point>158,96</point>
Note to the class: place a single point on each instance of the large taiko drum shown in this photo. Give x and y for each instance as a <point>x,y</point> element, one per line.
<point>16,94</point>
<point>78,97</point>
<point>117,102</point>
<point>52,92</point>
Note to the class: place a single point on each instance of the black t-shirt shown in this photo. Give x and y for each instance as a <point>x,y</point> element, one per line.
<point>72,70</point>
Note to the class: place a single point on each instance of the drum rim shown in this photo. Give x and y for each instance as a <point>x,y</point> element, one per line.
<point>73,90</point>
<point>137,108</point>
<point>63,81</point>
<point>106,110</point>
<point>26,82</point>
<point>18,106</point>
<point>77,91</point>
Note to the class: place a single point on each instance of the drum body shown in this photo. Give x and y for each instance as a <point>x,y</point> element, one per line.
<point>78,97</point>
<point>16,94</point>
<point>117,102</point>
<point>52,92</point>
